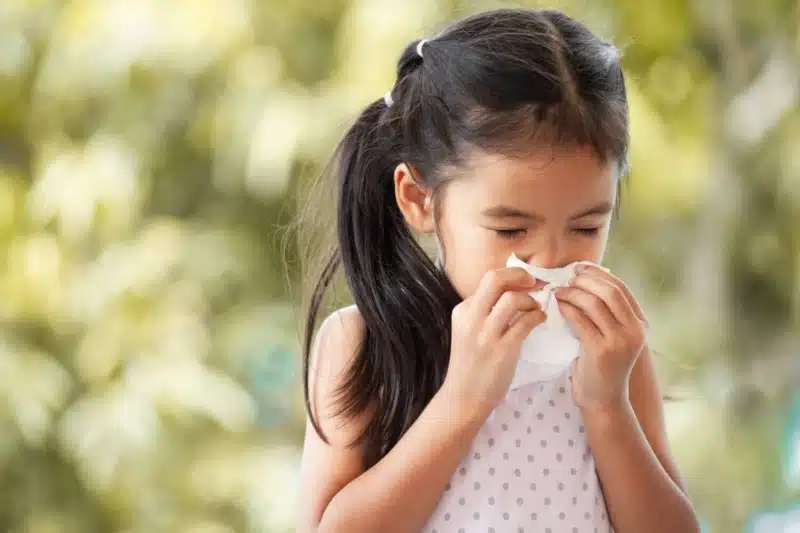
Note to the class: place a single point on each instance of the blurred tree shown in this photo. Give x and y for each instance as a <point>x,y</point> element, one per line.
<point>151,153</point>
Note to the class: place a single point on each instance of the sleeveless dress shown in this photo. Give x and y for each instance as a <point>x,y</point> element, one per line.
<point>529,470</point>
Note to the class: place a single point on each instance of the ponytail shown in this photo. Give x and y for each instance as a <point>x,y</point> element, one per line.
<point>404,300</point>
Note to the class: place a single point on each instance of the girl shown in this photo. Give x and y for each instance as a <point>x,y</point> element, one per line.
<point>507,133</point>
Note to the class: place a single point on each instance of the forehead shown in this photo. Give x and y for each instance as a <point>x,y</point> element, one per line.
<point>548,181</point>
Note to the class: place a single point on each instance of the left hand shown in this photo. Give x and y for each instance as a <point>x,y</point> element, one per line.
<point>612,330</point>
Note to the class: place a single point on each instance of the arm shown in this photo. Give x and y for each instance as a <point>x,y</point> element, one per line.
<point>400,492</point>
<point>639,478</point>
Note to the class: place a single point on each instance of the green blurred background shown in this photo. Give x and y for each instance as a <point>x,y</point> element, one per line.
<point>152,153</point>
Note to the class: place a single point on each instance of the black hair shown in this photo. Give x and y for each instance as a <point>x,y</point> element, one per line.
<point>502,81</point>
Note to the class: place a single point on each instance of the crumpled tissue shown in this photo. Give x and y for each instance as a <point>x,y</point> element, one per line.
<point>552,346</point>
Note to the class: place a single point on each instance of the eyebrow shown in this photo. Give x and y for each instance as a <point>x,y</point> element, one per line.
<point>600,209</point>
<point>503,211</point>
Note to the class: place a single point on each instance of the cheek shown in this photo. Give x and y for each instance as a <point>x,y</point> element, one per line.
<point>598,247</point>
<point>469,253</point>
<point>579,248</point>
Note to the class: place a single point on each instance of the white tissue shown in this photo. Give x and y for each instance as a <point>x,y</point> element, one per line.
<point>552,346</point>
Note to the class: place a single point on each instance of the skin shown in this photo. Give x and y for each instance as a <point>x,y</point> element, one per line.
<point>530,207</point>
<point>550,209</point>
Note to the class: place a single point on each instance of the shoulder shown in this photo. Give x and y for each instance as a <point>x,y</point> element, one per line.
<point>344,325</point>
<point>329,465</point>
<point>336,346</point>
<point>339,338</point>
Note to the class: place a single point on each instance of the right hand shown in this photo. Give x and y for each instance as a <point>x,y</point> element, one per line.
<point>485,345</point>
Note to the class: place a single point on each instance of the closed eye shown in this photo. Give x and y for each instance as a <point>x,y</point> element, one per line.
<point>588,232</point>
<point>509,233</point>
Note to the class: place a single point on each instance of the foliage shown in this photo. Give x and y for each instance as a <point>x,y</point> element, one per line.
<point>151,153</point>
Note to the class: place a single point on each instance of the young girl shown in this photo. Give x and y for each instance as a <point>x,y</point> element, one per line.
<point>505,134</point>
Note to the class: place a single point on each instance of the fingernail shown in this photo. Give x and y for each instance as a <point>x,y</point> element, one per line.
<point>581,268</point>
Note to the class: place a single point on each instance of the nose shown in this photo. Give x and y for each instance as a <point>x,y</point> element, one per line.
<point>547,253</point>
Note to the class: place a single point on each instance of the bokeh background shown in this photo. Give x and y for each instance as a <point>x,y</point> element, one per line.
<point>153,153</point>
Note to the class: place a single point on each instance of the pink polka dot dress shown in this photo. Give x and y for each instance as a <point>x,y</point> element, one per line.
<point>529,470</point>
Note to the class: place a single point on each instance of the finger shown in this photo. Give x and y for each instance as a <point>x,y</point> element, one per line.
<point>611,294</point>
<point>495,283</point>
<point>508,306</point>
<point>592,306</point>
<point>596,271</point>
<point>587,330</point>
<point>523,325</point>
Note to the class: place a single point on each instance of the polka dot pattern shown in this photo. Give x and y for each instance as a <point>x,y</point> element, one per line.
<point>528,469</point>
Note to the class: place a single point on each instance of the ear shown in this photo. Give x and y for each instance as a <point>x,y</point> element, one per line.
<point>414,199</point>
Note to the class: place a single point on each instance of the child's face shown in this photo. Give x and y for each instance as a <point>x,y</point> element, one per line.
<point>550,209</point>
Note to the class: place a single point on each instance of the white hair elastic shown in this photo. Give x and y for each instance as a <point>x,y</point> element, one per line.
<point>387,98</point>
<point>419,46</point>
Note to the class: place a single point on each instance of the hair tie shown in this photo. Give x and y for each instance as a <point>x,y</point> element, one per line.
<point>387,98</point>
<point>419,46</point>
